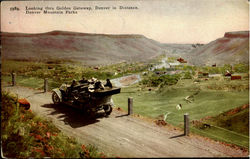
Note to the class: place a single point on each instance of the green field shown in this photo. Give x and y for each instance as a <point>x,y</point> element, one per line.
<point>206,102</point>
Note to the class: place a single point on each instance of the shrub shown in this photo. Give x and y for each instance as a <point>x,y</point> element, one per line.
<point>187,75</point>
<point>154,81</point>
<point>241,68</point>
<point>26,135</point>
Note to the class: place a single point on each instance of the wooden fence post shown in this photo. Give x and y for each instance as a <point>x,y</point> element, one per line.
<point>13,75</point>
<point>46,85</point>
<point>186,124</point>
<point>130,105</point>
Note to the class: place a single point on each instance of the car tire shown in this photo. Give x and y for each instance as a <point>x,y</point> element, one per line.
<point>55,98</point>
<point>108,109</point>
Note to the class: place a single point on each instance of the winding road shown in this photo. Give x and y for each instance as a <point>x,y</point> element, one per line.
<point>121,135</point>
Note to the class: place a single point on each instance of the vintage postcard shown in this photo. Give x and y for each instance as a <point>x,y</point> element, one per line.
<point>128,78</point>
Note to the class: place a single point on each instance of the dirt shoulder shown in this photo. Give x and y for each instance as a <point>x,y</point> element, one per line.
<point>122,135</point>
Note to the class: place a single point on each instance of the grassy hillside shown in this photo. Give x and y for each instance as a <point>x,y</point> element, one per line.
<point>236,120</point>
<point>210,98</point>
<point>157,102</point>
<point>231,126</point>
<point>89,49</point>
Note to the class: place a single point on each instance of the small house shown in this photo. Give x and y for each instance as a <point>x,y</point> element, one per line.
<point>235,77</point>
<point>160,72</point>
<point>203,75</point>
<point>228,74</point>
<point>181,60</point>
<point>174,64</point>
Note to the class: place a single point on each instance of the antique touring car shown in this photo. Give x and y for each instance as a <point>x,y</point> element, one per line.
<point>87,95</point>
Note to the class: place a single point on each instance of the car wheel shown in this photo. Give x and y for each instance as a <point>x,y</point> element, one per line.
<point>55,98</point>
<point>108,109</point>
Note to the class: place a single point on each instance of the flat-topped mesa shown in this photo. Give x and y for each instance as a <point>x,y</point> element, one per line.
<point>68,33</point>
<point>238,34</point>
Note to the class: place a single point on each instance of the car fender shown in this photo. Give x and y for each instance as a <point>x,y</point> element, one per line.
<point>58,92</point>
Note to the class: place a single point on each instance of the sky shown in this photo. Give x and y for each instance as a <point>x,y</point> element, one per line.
<point>166,21</point>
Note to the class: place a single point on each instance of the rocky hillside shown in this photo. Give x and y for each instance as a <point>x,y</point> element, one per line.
<point>231,49</point>
<point>178,49</point>
<point>90,49</point>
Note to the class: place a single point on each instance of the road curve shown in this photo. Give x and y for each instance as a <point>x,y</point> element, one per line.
<point>122,135</point>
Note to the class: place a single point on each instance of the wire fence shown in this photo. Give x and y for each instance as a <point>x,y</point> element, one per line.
<point>205,128</point>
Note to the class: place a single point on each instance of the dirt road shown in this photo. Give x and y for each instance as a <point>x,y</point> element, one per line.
<point>126,80</point>
<point>122,135</point>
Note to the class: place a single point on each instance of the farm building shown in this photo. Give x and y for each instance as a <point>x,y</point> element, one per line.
<point>163,64</point>
<point>160,72</point>
<point>228,73</point>
<point>181,60</point>
<point>203,75</point>
<point>235,77</point>
<point>174,64</point>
